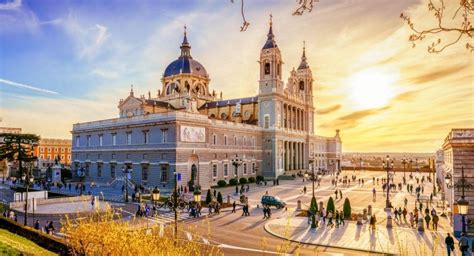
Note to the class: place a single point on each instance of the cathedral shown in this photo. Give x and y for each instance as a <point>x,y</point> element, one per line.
<point>190,131</point>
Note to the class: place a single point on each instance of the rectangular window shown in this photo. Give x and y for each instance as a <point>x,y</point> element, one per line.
<point>129,138</point>
<point>87,170</point>
<point>253,167</point>
<point>62,150</point>
<point>164,134</point>
<point>49,150</point>
<point>225,140</point>
<point>214,139</point>
<point>42,156</point>
<point>101,139</point>
<point>113,156</point>
<point>99,170</point>
<point>88,142</point>
<point>214,171</point>
<point>145,137</point>
<point>144,172</point>
<point>114,139</point>
<point>226,172</point>
<point>245,168</point>
<point>236,171</point>
<point>99,156</point>
<point>266,122</point>
<point>112,171</point>
<point>41,149</point>
<point>164,174</point>
<point>77,142</point>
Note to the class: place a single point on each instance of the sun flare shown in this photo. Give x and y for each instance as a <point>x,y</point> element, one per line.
<point>371,88</point>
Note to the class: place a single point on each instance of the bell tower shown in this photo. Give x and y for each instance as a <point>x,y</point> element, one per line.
<point>304,78</point>
<point>270,65</point>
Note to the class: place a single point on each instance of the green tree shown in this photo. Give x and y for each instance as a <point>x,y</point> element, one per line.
<point>18,147</point>
<point>208,197</point>
<point>313,208</point>
<point>347,208</point>
<point>219,197</point>
<point>330,206</point>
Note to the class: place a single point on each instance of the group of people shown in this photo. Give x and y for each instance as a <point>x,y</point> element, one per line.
<point>333,219</point>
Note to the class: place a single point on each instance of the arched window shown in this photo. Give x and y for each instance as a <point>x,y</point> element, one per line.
<point>225,139</point>
<point>301,85</point>
<point>212,116</point>
<point>171,89</point>
<point>267,68</point>
<point>278,69</point>
<point>224,116</point>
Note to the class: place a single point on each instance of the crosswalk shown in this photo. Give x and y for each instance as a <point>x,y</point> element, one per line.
<point>168,217</point>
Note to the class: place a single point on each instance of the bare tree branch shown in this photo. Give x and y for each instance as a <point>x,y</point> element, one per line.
<point>245,24</point>
<point>464,29</point>
<point>304,5</point>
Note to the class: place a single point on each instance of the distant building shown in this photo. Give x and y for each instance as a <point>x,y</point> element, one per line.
<point>458,154</point>
<point>189,130</point>
<point>10,130</point>
<point>6,168</point>
<point>50,149</point>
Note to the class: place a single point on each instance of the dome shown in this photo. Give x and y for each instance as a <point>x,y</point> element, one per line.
<point>185,65</point>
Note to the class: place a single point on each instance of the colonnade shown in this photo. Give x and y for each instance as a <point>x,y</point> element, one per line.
<point>294,118</point>
<point>294,155</point>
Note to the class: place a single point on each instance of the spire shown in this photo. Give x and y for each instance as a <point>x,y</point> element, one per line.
<point>131,90</point>
<point>185,46</point>
<point>303,64</point>
<point>270,43</point>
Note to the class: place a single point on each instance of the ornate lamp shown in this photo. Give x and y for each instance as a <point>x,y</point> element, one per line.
<point>156,194</point>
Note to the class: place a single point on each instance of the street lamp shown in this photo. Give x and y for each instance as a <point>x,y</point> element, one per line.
<point>28,179</point>
<point>404,162</point>
<point>127,171</point>
<point>237,162</point>
<point>155,195</point>
<point>463,204</point>
<point>388,166</point>
<point>360,164</point>
<point>197,196</point>
<point>411,168</point>
<point>416,163</point>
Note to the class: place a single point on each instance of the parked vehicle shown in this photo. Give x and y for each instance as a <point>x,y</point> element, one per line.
<point>273,201</point>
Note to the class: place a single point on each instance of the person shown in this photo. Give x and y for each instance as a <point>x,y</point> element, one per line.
<point>335,192</point>
<point>340,194</point>
<point>435,222</point>
<point>372,222</point>
<point>265,212</point>
<point>37,225</point>
<point>50,228</point>
<point>329,217</point>
<point>463,243</point>
<point>341,218</point>
<point>233,207</point>
<point>304,190</point>
<point>93,202</point>
<point>269,212</point>
<point>406,202</point>
<point>373,194</point>
<point>337,218</point>
<point>427,219</point>
<point>449,241</point>
<point>210,209</point>
<point>404,212</point>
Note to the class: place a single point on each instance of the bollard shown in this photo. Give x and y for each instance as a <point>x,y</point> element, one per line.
<point>421,226</point>
<point>228,199</point>
<point>298,205</point>
<point>359,219</point>
<point>389,221</point>
<point>369,210</point>
<point>364,214</point>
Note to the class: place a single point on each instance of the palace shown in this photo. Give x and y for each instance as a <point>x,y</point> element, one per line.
<point>189,130</point>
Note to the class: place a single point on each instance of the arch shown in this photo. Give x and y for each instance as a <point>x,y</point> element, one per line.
<point>171,88</point>
<point>301,85</point>
<point>193,171</point>
<point>224,116</point>
<point>212,116</point>
<point>267,68</point>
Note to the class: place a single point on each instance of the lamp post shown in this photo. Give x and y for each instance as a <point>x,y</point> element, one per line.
<point>127,171</point>
<point>416,164</point>
<point>388,166</point>
<point>175,205</point>
<point>404,162</point>
<point>360,164</point>
<point>463,204</point>
<point>28,179</point>
<point>237,162</point>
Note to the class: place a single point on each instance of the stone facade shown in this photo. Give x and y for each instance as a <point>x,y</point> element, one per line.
<point>50,149</point>
<point>458,154</point>
<point>189,130</point>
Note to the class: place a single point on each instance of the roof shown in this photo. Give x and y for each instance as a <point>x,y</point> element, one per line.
<point>185,65</point>
<point>230,102</point>
<point>158,103</point>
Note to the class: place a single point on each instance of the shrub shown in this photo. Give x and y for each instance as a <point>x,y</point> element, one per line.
<point>233,182</point>
<point>219,197</point>
<point>243,180</point>
<point>347,208</point>
<point>221,183</point>
<point>260,178</point>
<point>330,206</point>
<point>208,197</point>
<point>313,208</point>
<point>251,179</point>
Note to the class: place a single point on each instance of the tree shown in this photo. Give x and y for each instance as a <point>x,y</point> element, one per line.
<point>462,17</point>
<point>219,197</point>
<point>347,208</point>
<point>18,147</point>
<point>208,197</point>
<point>330,206</point>
<point>243,180</point>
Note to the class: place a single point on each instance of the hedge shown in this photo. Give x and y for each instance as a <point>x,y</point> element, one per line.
<point>347,208</point>
<point>330,206</point>
<point>260,178</point>
<point>48,242</point>
<point>233,182</point>
<point>251,179</point>
<point>219,197</point>
<point>243,180</point>
<point>221,183</point>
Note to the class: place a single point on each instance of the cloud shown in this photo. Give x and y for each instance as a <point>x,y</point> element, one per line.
<point>351,120</point>
<point>438,73</point>
<point>406,96</point>
<point>12,5</point>
<point>107,74</point>
<point>25,86</point>
<point>324,111</point>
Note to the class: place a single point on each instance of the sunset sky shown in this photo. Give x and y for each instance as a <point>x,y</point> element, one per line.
<point>64,62</point>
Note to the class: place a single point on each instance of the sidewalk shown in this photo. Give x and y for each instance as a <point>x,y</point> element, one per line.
<point>398,240</point>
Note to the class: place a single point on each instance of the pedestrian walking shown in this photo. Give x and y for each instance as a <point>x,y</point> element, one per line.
<point>406,202</point>
<point>341,218</point>
<point>427,219</point>
<point>340,194</point>
<point>435,222</point>
<point>337,218</point>
<point>304,190</point>
<point>335,192</point>
<point>264,212</point>
<point>373,193</point>
<point>463,244</point>
<point>372,222</point>
<point>449,241</point>
<point>329,217</point>
<point>233,207</point>
<point>37,225</point>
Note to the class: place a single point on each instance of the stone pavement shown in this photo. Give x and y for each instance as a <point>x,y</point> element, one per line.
<point>398,240</point>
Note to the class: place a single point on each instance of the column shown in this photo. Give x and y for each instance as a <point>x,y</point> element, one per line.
<point>287,162</point>
<point>292,156</point>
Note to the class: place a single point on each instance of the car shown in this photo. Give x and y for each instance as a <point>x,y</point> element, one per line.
<point>272,201</point>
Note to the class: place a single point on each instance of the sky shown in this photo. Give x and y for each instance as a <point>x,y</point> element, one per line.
<point>69,61</point>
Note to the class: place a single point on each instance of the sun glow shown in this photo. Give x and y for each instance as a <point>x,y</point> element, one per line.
<point>371,88</point>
